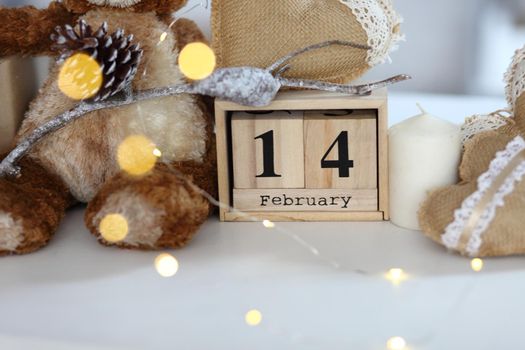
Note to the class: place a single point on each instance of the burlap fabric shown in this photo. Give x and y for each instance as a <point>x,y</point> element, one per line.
<point>257,33</point>
<point>506,233</point>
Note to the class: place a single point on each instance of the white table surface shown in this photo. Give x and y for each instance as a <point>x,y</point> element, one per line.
<point>76,294</point>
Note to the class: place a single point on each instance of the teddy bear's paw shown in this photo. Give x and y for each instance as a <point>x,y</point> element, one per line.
<point>11,233</point>
<point>19,235</point>
<point>23,225</point>
<point>157,211</point>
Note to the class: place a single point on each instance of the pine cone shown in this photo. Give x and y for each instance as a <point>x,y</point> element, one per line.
<point>114,53</point>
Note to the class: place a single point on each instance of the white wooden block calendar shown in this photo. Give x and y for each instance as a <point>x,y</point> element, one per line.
<point>309,156</point>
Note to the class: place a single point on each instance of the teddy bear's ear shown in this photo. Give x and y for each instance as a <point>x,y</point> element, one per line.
<point>160,6</point>
<point>515,79</point>
<point>168,6</point>
<point>78,6</point>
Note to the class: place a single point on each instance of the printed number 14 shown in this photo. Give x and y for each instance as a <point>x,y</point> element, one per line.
<point>343,163</point>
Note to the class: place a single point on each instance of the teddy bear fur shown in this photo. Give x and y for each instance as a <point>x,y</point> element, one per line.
<point>165,207</point>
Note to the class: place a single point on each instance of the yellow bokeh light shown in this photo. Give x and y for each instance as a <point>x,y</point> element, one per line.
<point>396,343</point>
<point>163,36</point>
<point>137,155</point>
<point>476,265</point>
<point>80,77</point>
<point>197,61</point>
<point>396,275</point>
<point>114,228</point>
<point>253,318</point>
<point>166,265</point>
<point>268,224</point>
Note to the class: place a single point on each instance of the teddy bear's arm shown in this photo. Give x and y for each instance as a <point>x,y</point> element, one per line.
<point>26,30</point>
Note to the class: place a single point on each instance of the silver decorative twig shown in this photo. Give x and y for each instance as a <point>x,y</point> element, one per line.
<point>8,166</point>
<point>359,90</point>
<point>249,86</point>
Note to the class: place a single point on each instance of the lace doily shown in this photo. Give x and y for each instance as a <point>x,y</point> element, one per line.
<point>453,232</point>
<point>480,123</point>
<point>381,24</point>
<point>515,77</point>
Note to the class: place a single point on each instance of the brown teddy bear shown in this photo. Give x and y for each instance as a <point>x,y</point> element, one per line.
<point>78,163</point>
<point>483,214</point>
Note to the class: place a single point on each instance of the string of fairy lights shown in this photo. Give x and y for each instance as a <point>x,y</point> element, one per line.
<point>81,77</point>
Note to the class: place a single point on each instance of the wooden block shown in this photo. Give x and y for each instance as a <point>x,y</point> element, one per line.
<point>382,152</point>
<point>301,216</point>
<point>371,203</point>
<point>318,200</point>
<point>341,149</point>
<point>268,150</point>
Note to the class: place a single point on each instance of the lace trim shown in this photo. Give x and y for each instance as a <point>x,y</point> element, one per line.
<point>381,24</point>
<point>515,78</point>
<point>480,123</point>
<point>454,231</point>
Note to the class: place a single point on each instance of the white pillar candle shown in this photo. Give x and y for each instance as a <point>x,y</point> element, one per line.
<point>425,152</point>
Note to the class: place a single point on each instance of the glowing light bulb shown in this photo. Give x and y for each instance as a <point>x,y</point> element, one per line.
<point>114,228</point>
<point>268,224</point>
<point>396,275</point>
<point>396,343</point>
<point>157,153</point>
<point>166,265</point>
<point>80,77</point>
<point>137,155</point>
<point>197,61</point>
<point>476,264</point>
<point>253,318</point>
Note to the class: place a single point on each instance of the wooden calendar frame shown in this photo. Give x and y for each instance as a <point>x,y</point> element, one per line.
<point>303,101</point>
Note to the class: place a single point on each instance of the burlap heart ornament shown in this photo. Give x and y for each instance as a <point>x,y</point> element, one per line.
<point>257,33</point>
<point>484,214</point>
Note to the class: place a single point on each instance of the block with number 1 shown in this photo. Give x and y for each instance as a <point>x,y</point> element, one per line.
<point>268,150</point>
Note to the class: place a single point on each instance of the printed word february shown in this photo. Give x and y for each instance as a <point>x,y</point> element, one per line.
<point>284,200</point>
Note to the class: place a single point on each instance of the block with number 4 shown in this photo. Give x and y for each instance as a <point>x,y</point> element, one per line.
<point>344,154</point>
<point>308,156</point>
